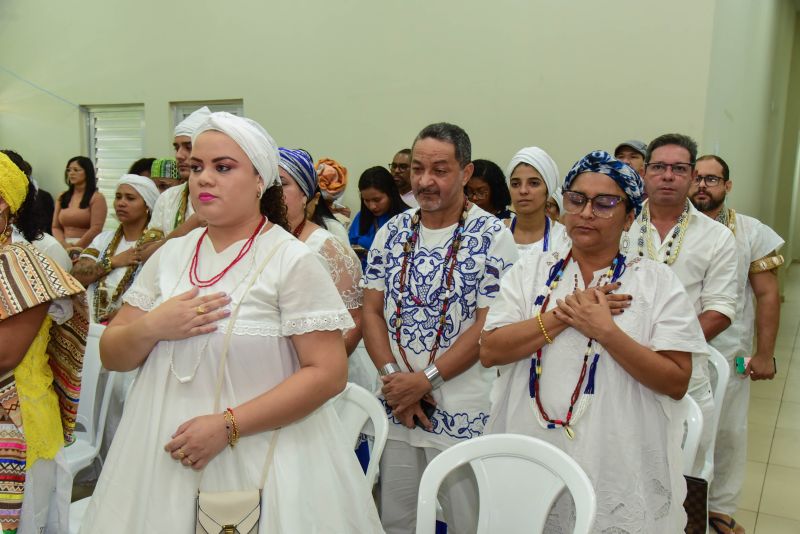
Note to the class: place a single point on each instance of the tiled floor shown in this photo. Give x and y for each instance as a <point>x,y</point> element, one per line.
<point>770,502</point>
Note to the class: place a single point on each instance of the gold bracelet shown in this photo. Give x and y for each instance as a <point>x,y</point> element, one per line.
<point>231,427</point>
<point>544,331</point>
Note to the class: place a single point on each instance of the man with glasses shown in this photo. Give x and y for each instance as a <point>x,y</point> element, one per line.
<point>401,172</point>
<point>757,246</point>
<point>700,251</point>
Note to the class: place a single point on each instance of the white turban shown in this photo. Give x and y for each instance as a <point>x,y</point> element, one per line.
<point>144,186</point>
<point>539,160</point>
<point>558,196</point>
<point>252,138</point>
<point>188,125</point>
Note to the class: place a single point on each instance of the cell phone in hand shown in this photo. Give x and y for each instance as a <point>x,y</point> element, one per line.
<point>428,409</point>
<point>740,363</point>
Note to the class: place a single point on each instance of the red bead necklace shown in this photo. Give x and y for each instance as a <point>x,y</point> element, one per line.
<point>195,279</point>
<point>447,281</point>
<point>299,230</point>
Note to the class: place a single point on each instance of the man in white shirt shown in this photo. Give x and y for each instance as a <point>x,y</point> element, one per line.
<point>431,275</point>
<point>173,213</point>
<point>401,172</point>
<point>699,250</point>
<point>757,246</point>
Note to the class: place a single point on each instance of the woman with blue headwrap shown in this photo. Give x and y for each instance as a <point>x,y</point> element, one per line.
<point>592,370</point>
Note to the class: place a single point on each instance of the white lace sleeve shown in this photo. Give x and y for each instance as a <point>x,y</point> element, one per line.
<point>308,299</point>
<point>345,269</point>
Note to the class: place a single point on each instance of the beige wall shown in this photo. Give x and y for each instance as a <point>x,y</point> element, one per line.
<point>357,80</point>
<point>747,97</point>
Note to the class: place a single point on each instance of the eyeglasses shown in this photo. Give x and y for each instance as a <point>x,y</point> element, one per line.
<point>602,205</point>
<point>399,166</point>
<point>678,169</point>
<point>710,180</point>
<point>477,194</point>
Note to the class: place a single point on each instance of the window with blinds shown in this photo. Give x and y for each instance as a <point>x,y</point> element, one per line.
<point>181,110</point>
<point>116,139</point>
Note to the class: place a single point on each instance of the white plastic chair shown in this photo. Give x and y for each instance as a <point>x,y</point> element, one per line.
<point>722,371</point>
<point>693,417</point>
<point>91,417</point>
<point>519,478</point>
<point>355,406</point>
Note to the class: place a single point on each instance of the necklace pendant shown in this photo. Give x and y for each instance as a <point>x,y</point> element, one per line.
<point>570,432</point>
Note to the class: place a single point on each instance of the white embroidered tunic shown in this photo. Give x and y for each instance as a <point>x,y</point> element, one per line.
<point>628,439</point>
<point>142,489</point>
<point>487,251</point>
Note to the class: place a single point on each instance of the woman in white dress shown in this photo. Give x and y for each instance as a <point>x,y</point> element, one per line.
<point>245,282</point>
<point>299,180</point>
<point>592,370</point>
<point>532,179</point>
<point>108,266</point>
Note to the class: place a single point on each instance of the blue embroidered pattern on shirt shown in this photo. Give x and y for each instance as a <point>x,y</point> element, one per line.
<point>459,425</point>
<point>477,274</point>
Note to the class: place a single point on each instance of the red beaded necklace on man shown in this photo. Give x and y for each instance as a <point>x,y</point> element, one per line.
<point>447,278</point>
<point>195,279</point>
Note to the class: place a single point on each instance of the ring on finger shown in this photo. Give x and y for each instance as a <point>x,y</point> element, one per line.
<point>200,310</point>
<point>181,454</point>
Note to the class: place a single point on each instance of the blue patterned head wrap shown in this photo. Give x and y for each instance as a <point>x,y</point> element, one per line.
<point>300,166</point>
<point>602,162</point>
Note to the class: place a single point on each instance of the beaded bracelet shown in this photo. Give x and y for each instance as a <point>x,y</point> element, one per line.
<point>231,427</point>
<point>544,331</point>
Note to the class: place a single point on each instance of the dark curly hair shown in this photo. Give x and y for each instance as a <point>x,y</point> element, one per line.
<point>27,218</point>
<point>91,183</point>
<point>273,207</point>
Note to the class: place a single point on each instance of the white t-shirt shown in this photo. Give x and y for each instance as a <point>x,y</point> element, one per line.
<point>754,240</point>
<point>166,209</point>
<point>487,251</point>
<point>628,439</point>
<point>557,240</point>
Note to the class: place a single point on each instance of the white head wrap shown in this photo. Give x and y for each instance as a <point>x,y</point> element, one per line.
<point>539,160</point>
<point>188,125</point>
<point>558,196</point>
<point>252,138</point>
<point>143,185</point>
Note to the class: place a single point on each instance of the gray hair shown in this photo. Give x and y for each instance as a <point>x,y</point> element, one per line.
<point>449,133</point>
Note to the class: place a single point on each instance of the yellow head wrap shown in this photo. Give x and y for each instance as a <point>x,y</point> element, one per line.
<point>13,183</point>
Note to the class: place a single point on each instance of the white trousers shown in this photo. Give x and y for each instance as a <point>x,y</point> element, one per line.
<point>401,470</point>
<point>705,399</point>
<point>730,450</point>
<point>48,490</point>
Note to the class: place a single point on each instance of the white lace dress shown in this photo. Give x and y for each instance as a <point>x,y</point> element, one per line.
<point>314,483</point>
<point>345,270</point>
<point>628,439</point>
